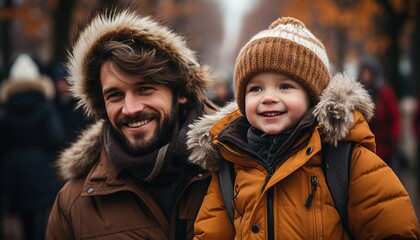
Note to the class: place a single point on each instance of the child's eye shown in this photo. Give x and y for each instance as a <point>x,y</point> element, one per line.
<point>285,86</point>
<point>255,89</point>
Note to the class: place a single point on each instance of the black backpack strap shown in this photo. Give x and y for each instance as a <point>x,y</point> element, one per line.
<point>226,180</point>
<point>336,165</point>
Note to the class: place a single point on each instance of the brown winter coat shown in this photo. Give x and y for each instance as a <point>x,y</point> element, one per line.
<point>107,203</point>
<point>379,206</point>
<point>103,205</point>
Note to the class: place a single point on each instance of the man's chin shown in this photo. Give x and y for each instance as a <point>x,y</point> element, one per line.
<point>143,146</point>
<point>136,149</point>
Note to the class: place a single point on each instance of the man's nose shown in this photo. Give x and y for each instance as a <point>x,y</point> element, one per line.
<point>132,105</point>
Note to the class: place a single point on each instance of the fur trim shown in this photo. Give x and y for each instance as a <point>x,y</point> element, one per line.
<point>342,96</point>
<point>79,158</point>
<point>130,25</point>
<point>10,87</point>
<point>198,138</point>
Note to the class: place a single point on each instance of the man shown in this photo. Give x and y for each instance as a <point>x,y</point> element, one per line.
<point>128,175</point>
<point>31,134</point>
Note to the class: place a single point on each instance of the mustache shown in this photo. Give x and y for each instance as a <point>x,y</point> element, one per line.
<point>136,118</point>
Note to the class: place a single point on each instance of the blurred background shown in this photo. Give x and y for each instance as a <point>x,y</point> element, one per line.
<point>389,30</point>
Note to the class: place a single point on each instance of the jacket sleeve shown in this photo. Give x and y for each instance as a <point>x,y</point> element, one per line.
<point>212,221</point>
<point>379,205</point>
<point>59,225</point>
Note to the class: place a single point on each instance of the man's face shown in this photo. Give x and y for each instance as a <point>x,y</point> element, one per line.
<point>144,115</point>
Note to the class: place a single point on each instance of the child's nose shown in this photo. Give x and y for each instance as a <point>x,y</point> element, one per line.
<point>270,95</point>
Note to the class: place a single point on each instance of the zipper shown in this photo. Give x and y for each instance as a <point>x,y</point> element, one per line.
<point>314,184</point>
<point>270,208</point>
<point>270,214</point>
<point>174,217</point>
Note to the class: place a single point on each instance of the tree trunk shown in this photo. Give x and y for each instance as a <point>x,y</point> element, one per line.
<point>341,44</point>
<point>415,54</point>
<point>392,25</point>
<point>62,20</point>
<point>5,41</point>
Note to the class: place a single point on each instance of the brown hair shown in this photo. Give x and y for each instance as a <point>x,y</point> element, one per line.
<point>137,59</point>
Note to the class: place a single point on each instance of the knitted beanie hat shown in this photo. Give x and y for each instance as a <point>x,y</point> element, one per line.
<point>286,47</point>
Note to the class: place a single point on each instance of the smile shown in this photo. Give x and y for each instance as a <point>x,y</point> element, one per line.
<point>138,124</point>
<point>271,114</point>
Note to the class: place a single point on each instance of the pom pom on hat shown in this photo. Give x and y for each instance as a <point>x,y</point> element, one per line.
<point>286,47</point>
<point>24,68</point>
<point>286,20</point>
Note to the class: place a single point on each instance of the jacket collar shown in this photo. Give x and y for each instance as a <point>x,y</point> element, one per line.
<point>106,178</point>
<point>335,113</point>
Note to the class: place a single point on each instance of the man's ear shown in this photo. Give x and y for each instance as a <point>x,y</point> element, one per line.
<point>182,100</point>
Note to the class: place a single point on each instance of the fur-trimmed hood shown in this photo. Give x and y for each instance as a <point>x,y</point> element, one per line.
<point>24,77</point>
<point>127,25</point>
<point>43,85</point>
<point>78,159</point>
<point>340,99</point>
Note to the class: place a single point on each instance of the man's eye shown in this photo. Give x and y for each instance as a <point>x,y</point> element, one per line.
<point>255,89</point>
<point>145,90</point>
<point>114,96</point>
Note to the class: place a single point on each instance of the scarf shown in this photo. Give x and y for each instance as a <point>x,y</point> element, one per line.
<point>161,171</point>
<point>274,149</point>
<point>266,145</point>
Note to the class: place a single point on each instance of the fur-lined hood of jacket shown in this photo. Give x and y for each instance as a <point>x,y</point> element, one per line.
<point>339,100</point>
<point>43,85</point>
<point>126,25</point>
<point>24,77</point>
<point>79,158</point>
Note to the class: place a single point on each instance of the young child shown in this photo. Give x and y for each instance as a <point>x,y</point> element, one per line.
<point>288,108</point>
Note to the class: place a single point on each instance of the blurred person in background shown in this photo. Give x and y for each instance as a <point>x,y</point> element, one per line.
<point>74,119</point>
<point>222,92</point>
<point>31,132</point>
<point>385,125</point>
<point>416,130</point>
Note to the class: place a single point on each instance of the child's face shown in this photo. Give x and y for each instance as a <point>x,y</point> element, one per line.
<point>274,103</point>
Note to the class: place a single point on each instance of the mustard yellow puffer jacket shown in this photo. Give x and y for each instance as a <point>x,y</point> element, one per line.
<point>379,206</point>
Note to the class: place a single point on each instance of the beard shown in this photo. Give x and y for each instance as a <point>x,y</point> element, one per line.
<point>161,136</point>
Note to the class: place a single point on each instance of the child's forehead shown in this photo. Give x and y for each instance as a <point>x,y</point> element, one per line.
<point>273,76</point>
